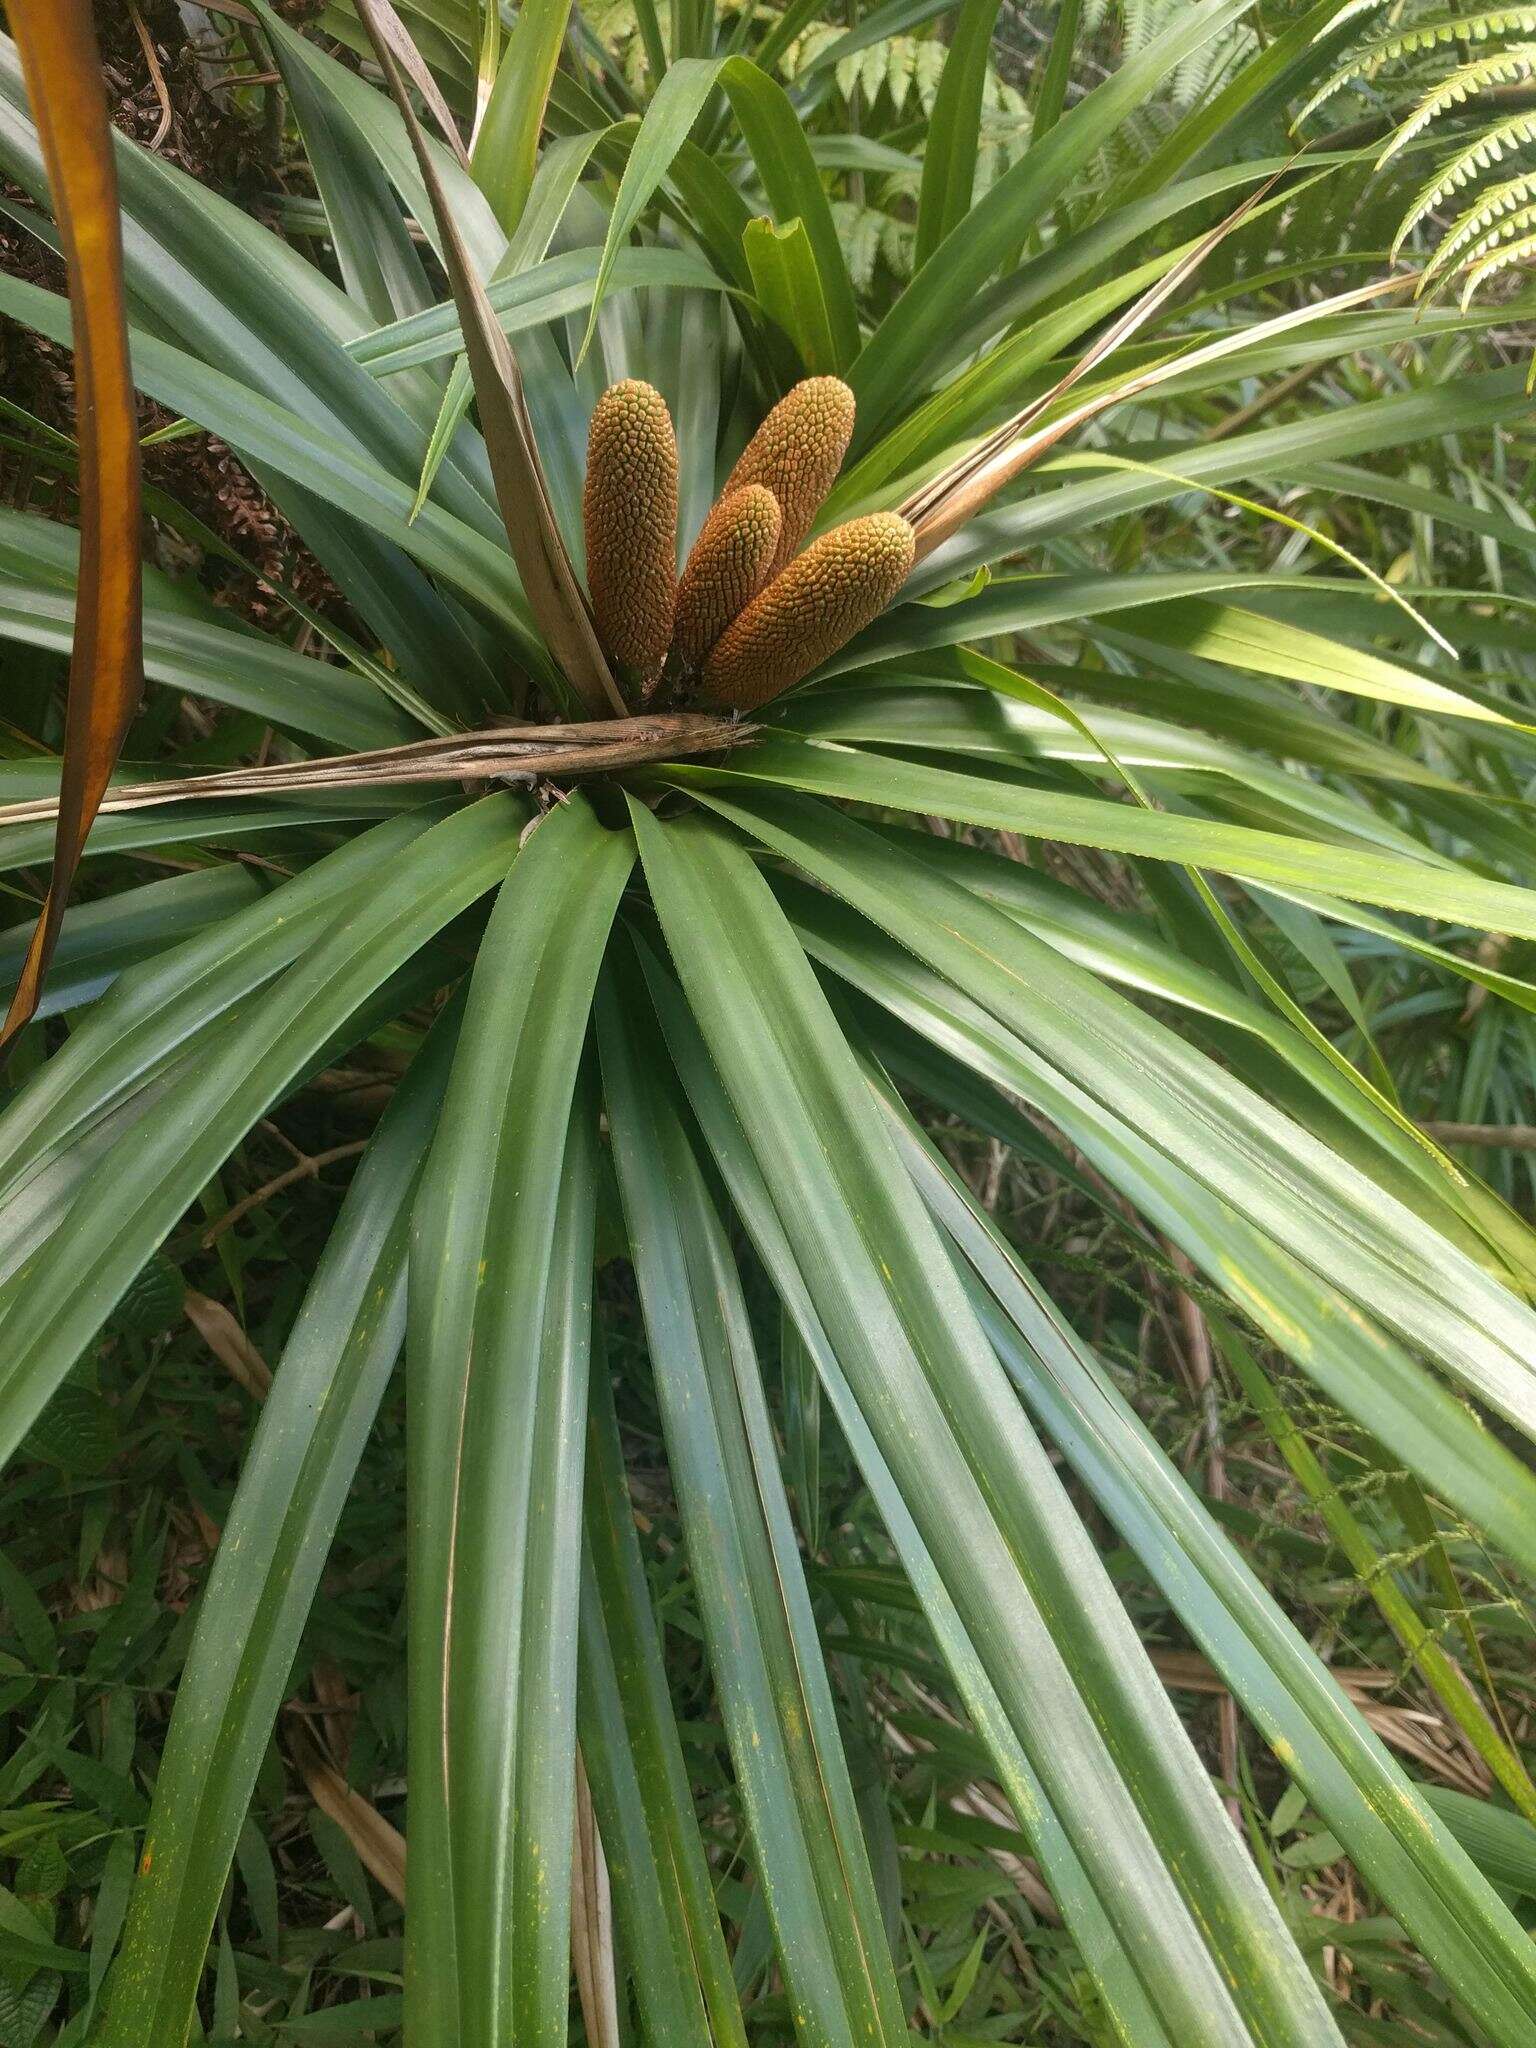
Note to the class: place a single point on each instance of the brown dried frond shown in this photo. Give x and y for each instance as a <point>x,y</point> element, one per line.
<point>810,610</point>
<point>796,453</point>
<point>728,565</point>
<point>629,510</point>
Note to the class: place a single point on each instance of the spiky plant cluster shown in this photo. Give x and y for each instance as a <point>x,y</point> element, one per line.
<point>751,615</point>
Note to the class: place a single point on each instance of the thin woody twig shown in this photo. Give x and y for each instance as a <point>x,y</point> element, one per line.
<point>306,1167</point>
<point>561,752</point>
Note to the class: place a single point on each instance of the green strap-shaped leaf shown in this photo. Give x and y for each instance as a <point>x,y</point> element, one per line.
<point>972,1065</point>
<point>1346,1227</point>
<point>163,1005</point>
<point>1182,610</point>
<point>325,1394</point>
<point>1394,1838</point>
<point>767,1665</point>
<point>889,371</point>
<point>785,167</point>
<point>1139,1810</point>
<point>469,557</point>
<point>500,1323</point>
<point>668,1925</point>
<point>246,671</point>
<point>100,939</point>
<point>506,149</point>
<point>954,129</point>
<point>1124,2000</point>
<point>1426,888</point>
<point>143,1186</point>
<point>1337,433</point>
<point>788,287</point>
<point>547,291</point>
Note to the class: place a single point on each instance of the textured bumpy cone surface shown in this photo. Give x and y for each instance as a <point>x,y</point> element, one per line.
<point>809,610</point>
<point>629,510</point>
<point>796,453</point>
<point>730,562</point>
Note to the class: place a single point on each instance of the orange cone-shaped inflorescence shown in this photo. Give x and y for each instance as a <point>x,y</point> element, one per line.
<point>810,609</point>
<point>629,510</point>
<point>730,562</point>
<point>796,453</point>
<point>752,614</point>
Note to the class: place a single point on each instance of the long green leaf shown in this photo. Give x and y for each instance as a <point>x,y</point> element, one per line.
<point>1345,1226</point>
<point>954,129</point>
<point>668,1923</point>
<point>773,1688</point>
<point>1138,1809</point>
<point>1426,888</point>
<point>1396,1841</point>
<point>325,1394</point>
<point>893,362</point>
<point>973,1066</point>
<point>135,1197</point>
<point>1125,2002</point>
<point>784,163</point>
<point>500,1321</point>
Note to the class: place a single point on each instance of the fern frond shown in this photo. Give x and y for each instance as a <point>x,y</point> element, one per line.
<point>1510,228</point>
<point>1502,67</point>
<point>1440,31</point>
<point>1518,251</point>
<point>1480,154</point>
<point>1467,236</point>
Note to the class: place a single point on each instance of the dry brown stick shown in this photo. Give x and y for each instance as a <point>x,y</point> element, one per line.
<point>561,752</point>
<point>1495,1137</point>
<point>305,1168</point>
<point>157,76</point>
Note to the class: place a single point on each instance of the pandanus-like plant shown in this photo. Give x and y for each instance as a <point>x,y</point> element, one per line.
<point>631,866</point>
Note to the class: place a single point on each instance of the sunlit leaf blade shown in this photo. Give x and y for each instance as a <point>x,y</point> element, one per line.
<point>951,148</point>
<point>98,940</point>
<point>784,164</point>
<point>500,1323</point>
<point>668,1923</point>
<point>63,70</point>
<point>888,371</point>
<point>1393,1837</point>
<point>1431,887</point>
<point>1220,1131</point>
<point>970,1058</point>
<point>133,1199</point>
<point>325,1394</point>
<point>505,153</point>
<point>1020,1570</point>
<point>157,1009</point>
<point>773,1688</point>
<point>1125,2002</point>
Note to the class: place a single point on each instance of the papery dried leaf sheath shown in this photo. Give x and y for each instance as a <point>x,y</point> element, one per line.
<point>106,678</point>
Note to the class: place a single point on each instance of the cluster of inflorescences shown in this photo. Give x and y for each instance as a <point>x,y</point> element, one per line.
<point>751,613</point>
